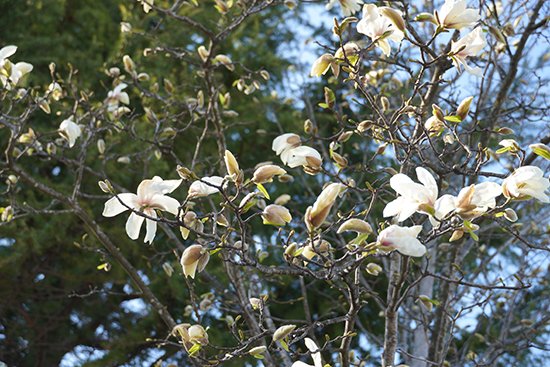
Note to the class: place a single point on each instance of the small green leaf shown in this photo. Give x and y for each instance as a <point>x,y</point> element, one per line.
<point>194,349</point>
<point>284,345</point>
<point>263,191</point>
<point>455,119</point>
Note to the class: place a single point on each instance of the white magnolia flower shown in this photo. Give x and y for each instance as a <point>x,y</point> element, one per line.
<point>471,202</point>
<point>205,186</point>
<point>16,71</point>
<point>349,7</point>
<point>379,28</point>
<point>147,5</point>
<point>470,45</point>
<point>454,14</point>
<point>70,131</point>
<point>413,197</point>
<point>526,182</point>
<point>301,156</point>
<point>315,355</point>
<point>55,91</point>
<point>403,239</point>
<point>116,96</point>
<point>285,142</point>
<point>151,196</point>
<point>294,154</point>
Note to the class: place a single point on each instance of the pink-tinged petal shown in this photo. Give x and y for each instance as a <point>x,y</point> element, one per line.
<point>296,157</point>
<point>114,207</point>
<point>165,203</point>
<point>133,225</point>
<point>284,142</point>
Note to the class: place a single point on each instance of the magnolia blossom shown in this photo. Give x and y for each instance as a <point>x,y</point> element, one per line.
<point>316,214</point>
<point>191,335</point>
<point>117,96</point>
<point>402,239</point>
<point>355,225</point>
<point>151,196</point>
<point>276,215</point>
<point>147,5</point>
<point>380,28</point>
<point>321,65</point>
<point>470,45</point>
<point>9,71</point>
<point>526,182</point>
<point>349,7</point>
<point>454,14</point>
<point>55,91</point>
<point>266,173</point>
<point>70,131</point>
<point>294,154</point>
<point>471,202</point>
<point>315,355</point>
<point>205,186</point>
<point>414,197</point>
<point>194,259</point>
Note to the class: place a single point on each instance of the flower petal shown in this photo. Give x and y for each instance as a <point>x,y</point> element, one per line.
<point>133,225</point>
<point>114,207</point>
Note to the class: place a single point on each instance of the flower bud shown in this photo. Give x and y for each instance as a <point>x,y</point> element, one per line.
<point>321,65</point>
<point>129,64</point>
<point>266,173</point>
<point>101,146</point>
<point>276,215</point>
<point>464,108</point>
<point>257,351</point>
<point>231,164</point>
<point>283,332</point>
<point>374,269</point>
<point>283,199</point>
<point>355,225</point>
<point>203,53</point>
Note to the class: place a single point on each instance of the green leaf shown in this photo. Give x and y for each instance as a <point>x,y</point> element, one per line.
<point>194,349</point>
<point>284,345</point>
<point>455,119</point>
<point>263,191</point>
<point>323,105</point>
<point>541,150</point>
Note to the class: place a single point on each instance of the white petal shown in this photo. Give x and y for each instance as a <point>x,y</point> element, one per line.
<point>426,178</point>
<point>151,226</point>
<point>133,225</point>
<point>281,142</point>
<point>310,344</point>
<point>7,51</point>
<point>113,206</point>
<point>165,203</point>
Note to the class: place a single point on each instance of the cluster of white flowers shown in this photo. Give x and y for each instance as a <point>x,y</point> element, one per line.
<point>384,24</point>
<point>10,73</point>
<point>470,203</point>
